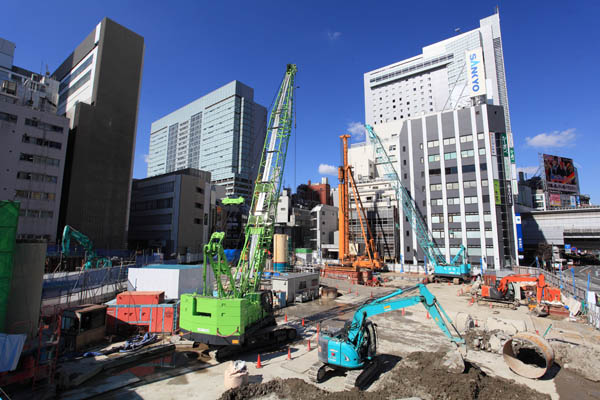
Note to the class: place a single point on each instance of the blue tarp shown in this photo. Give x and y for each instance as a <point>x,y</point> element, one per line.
<point>10,351</point>
<point>232,254</point>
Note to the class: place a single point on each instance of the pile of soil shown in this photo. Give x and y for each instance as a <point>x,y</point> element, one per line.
<point>419,375</point>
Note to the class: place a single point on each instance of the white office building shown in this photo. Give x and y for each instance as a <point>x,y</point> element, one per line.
<point>222,132</point>
<point>33,144</point>
<point>438,79</point>
<point>457,166</point>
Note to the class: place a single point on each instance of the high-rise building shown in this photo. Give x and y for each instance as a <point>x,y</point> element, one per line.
<point>33,144</point>
<point>222,132</point>
<point>457,166</point>
<point>99,92</point>
<point>439,78</point>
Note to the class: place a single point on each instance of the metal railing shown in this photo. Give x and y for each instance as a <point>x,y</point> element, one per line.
<point>563,280</point>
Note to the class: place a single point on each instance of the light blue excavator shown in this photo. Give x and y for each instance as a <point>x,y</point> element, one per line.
<point>353,348</point>
<point>92,260</point>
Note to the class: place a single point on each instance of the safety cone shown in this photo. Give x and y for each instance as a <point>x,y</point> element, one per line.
<point>302,321</point>
<point>476,324</point>
<point>371,294</point>
<point>258,364</point>
<point>289,357</point>
<point>403,311</point>
<point>308,344</point>
<point>428,317</point>
<point>285,317</point>
<point>318,328</point>
<point>490,306</point>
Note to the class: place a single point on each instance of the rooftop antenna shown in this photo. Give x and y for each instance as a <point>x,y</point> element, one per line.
<point>497,9</point>
<point>457,30</point>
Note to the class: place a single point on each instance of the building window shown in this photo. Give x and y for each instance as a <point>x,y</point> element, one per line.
<point>469,184</point>
<point>434,157</point>
<point>8,117</point>
<point>466,153</point>
<point>435,186</point>
<point>453,201</point>
<point>470,199</point>
<point>482,151</point>
<point>449,141</point>
<point>480,136</point>
<point>199,189</point>
<point>450,156</point>
<point>198,205</point>
<point>466,138</point>
<point>433,143</point>
<point>484,182</point>
<point>452,185</point>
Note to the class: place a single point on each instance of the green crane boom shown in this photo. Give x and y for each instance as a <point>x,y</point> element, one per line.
<point>267,188</point>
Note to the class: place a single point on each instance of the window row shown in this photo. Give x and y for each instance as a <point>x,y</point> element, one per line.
<point>36,123</point>
<point>39,159</point>
<point>36,213</point>
<point>28,194</point>
<point>32,176</point>
<point>41,142</point>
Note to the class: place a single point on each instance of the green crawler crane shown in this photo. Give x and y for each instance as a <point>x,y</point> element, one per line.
<point>240,316</point>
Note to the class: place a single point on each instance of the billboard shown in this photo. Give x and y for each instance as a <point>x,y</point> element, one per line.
<point>560,174</point>
<point>519,232</point>
<point>475,72</point>
<point>554,200</point>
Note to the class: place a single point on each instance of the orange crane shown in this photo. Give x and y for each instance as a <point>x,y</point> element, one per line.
<point>371,260</point>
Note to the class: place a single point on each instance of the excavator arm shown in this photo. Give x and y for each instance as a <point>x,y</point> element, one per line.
<point>388,303</point>
<point>92,259</point>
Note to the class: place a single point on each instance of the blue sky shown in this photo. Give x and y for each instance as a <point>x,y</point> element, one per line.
<point>550,51</point>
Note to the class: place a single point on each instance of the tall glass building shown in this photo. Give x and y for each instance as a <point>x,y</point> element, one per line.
<point>222,132</point>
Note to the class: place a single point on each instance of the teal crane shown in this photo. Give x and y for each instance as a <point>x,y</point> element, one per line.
<point>442,268</point>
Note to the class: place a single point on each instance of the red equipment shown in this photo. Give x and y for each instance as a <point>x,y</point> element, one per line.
<point>145,309</point>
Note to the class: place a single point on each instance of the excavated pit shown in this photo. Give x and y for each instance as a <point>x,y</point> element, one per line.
<point>417,375</point>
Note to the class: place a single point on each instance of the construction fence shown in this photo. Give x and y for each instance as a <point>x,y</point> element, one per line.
<point>65,289</point>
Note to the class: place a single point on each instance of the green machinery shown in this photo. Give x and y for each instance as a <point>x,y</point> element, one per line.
<point>441,267</point>
<point>92,260</point>
<point>240,315</point>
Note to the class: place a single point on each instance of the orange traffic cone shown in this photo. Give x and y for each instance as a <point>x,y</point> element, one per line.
<point>285,317</point>
<point>258,364</point>
<point>428,317</point>
<point>318,328</point>
<point>403,311</point>
<point>308,344</point>
<point>302,321</point>
<point>289,357</point>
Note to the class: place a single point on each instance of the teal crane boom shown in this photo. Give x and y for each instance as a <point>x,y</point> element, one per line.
<point>92,260</point>
<point>442,268</point>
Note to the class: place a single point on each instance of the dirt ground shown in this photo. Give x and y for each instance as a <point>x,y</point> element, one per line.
<point>418,375</point>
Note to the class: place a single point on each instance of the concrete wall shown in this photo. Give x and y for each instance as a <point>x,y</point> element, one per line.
<point>26,289</point>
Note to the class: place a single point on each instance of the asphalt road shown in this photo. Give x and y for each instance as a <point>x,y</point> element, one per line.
<point>581,274</point>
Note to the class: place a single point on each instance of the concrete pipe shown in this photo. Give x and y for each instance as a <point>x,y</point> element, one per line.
<point>528,355</point>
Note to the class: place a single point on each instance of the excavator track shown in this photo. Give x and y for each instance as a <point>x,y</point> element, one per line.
<point>360,378</point>
<point>317,372</point>
<point>263,340</point>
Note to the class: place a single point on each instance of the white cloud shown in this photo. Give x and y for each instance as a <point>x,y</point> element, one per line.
<point>146,158</point>
<point>528,170</point>
<point>553,139</point>
<point>326,169</point>
<point>357,130</point>
<point>333,36</point>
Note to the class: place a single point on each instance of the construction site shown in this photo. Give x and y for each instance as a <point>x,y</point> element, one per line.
<point>263,322</point>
